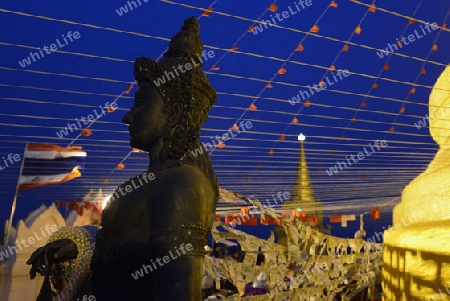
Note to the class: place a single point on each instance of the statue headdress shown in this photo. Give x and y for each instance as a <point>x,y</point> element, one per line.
<point>185,47</point>
<point>191,88</point>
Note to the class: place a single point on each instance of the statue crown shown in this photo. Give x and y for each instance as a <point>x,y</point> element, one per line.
<point>184,45</point>
<point>187,42</point>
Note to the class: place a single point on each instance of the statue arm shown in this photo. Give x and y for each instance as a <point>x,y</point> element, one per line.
<point>64,244</point>
<point>68,244</point>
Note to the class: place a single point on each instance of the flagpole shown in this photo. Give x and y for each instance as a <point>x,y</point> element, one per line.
<point>13,207</point>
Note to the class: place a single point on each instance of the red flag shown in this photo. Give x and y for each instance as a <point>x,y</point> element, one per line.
<point>252,221</point>
<point>234,218</point>
<point>270,221</point>
<point>313,219</point>
<point>375,213</point>
<point>335,218</point>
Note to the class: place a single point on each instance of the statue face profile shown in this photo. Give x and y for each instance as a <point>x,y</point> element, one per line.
<point>146,120</point>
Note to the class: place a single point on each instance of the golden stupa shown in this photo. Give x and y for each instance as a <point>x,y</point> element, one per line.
<point>417,247</point>
<point>303,193</point>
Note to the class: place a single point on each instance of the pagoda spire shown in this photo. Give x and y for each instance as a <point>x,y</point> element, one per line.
<point>303,193</point>
<point>303,186</point>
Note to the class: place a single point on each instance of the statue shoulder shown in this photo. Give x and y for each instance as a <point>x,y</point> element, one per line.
<point>187,180</point>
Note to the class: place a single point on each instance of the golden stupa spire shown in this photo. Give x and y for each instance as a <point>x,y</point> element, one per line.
<point>303,194</point>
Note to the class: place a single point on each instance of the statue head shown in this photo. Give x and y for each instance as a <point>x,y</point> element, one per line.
<point>172,103</point>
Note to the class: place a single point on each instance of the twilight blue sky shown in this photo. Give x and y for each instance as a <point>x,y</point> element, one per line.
<point>37,100</point>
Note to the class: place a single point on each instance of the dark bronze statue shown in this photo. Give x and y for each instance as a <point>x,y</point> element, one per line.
<point>161,227</point>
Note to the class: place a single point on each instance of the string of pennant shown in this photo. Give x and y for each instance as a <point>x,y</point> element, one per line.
<point>295,120</point>
<point>411,20</point>
<point>281,137</point>
<point>315,29</point>
<point>385,67</point>
<point>244,219</point>
<point>282,70</point>
<point>269,216</point>
<point>216,68</point>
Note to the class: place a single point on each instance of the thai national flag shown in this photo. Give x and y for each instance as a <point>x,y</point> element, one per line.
<point>50,164</point>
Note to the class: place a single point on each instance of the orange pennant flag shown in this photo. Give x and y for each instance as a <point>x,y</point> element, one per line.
<point>86,132</point>
<point>375,213</point>
<point>300,48</point>
<point>315,28</point>
<point>207,12</point>
<point>128,90</point>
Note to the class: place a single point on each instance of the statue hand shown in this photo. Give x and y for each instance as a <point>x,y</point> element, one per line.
<point>61,249</point>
